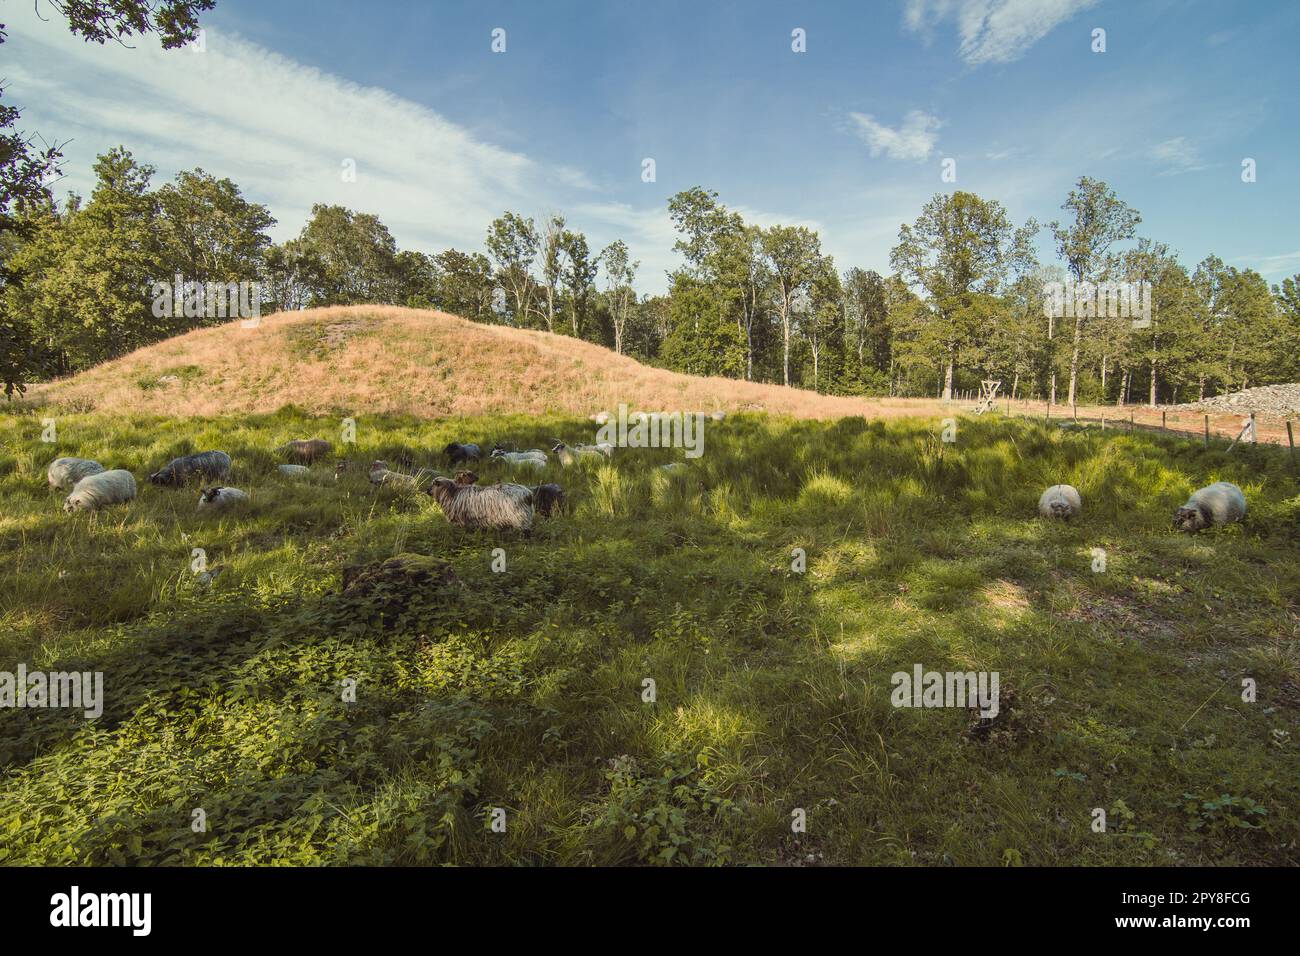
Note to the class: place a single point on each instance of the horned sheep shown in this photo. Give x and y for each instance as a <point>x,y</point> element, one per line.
<point>101,490</point>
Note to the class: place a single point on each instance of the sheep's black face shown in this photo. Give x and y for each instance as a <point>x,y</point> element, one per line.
<point>558,447</point>
<point>1189,519</point>
<point>1060,509</point>
<point>162,478</point>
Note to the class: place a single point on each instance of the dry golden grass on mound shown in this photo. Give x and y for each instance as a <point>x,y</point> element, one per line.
<point>388,359</point>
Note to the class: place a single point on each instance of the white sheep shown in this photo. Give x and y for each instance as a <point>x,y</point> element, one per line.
<point>571,454</point>
<point>381,475</point>
<point>1060,501</point>
<point>100,490</point>
<point>1217,504</point>
<point>534,458</point>
<point>66,472</point>
<point>719,415</point>
<point>219,499</point>
<point>294,471</point>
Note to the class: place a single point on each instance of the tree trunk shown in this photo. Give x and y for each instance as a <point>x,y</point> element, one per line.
<point>1153,383</point>
<point>1104,360</point>
<point>1074,357</point>
<point>947,378</point>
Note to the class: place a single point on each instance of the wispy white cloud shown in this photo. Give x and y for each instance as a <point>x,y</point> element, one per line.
<point>993,31</point>
<point>913,140</point>
<point>283,130</point>
<point>1176,156</point>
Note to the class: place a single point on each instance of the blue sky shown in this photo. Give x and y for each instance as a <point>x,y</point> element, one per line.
<point>847,137</point>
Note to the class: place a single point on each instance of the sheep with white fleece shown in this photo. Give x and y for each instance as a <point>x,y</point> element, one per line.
<point>533,458</point>
<point>221,498</point>
<point>1217,504</point>
<point>66,472</point>
<point>1060,501</point>
<point>571,454</point>
<point>101,490</point>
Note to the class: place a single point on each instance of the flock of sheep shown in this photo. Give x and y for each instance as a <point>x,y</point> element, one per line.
<point>505,505</point>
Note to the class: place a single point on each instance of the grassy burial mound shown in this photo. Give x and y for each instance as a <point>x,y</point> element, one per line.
<point>386,359</point>
<point>477,687</point>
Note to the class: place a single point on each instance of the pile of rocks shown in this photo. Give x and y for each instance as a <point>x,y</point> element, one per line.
<point>1271,401</point>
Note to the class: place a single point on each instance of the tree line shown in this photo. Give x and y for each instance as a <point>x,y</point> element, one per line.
<point>964,298</point>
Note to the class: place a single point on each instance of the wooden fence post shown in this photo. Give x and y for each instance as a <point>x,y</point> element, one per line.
<point>1163,426</point>
<point>1207,431</point>
<point>1290,438</point>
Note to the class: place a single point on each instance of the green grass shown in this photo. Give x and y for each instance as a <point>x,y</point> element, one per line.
<point>522,690</point>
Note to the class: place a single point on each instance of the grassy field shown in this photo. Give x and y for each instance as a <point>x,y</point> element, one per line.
<point>523,689</point>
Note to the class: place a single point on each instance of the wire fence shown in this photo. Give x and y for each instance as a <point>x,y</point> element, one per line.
<point>1208,427</point>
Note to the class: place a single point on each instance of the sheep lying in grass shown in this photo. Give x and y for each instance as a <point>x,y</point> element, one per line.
<point>294,471</point>
<point>206,464</point>
<point>66,472</point>
<point>101,490</point>
<point>1217,504</point>
<point>459,453</point>
<point>306,450</point>
<point>534,458</point>
<point>381,475</point>
<point>571,454</point>
<point>548,499</point>
<point>219,499</point>
<point>1060,501</point>
<point>503,506</point>
<point>673,466</point>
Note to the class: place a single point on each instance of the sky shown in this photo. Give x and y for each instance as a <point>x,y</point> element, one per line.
<point>848,137</point>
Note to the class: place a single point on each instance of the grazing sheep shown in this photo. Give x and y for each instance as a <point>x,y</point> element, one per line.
<point>533,458</point>
<point>66,472</point>
<point>306,450</point>
<point>719,415</point>
<point>219,499</point>
<point>1060,501</point>
<point>206,464</point>
<point>459,453</point>
<point>295,471</point>
<point>101,490</point>
<point>503,506</point>
<point>381,475</point>
<point>1217,504</point>
<point>547,499</point>
<point>673,466</point>
<point>570,454</point>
